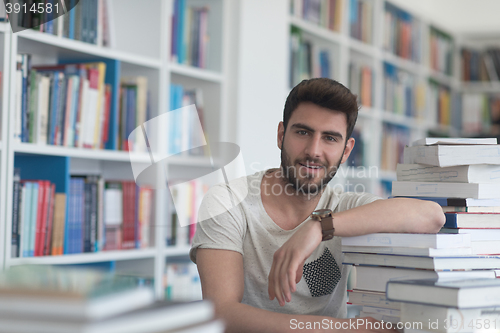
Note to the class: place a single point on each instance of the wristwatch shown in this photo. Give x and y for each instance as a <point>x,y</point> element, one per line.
<point>324,216</point>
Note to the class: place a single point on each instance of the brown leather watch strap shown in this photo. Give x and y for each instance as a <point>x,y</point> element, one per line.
<point>327,228</point>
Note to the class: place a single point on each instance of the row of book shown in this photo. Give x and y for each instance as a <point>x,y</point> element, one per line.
<point>186,197</point>
<point>361,20</point>
<point>133,111</point>
<point>361,82</point>
<point>74,105</point>
<point>190,36</point>
<point>61,299</point>
<point>440,51</point>
<point>394,139</point>
<point>440,104</point>
<point>402,35</point>
<point>95,215</point>
<point>324,13</point>
<point>88,21</point>
<point>404,94</point>
<point>186,125</point>
<point>479,112</point>
<point>480,65</point>
<point>182,282</point>
<point>307,59</point>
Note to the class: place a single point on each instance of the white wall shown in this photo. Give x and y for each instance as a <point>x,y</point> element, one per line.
<point>262,80</point>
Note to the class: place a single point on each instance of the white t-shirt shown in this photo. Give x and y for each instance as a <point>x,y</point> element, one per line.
<point>249,230</point>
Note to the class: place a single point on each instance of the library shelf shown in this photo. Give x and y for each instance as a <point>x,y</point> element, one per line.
<point>196,161</point>
<point>5,27</point>
<point>176,250</point>
<point>326,34</point>
<point>368,112</point>
<point>399,119</point>
<point>69,48</point>
<point>405,64</point>
<point>481,87</point>
<point>364,48</point>
<point>196,73</point>
<point>82,258</point>
<point>100,154</point>
<point>442,78</point>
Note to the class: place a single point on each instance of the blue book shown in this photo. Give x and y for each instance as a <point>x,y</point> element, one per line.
<point>28,192</point>
<point>68,228</point>
<point>72,19</point>
<point>53,107</point>
<point>34,214</point>
<point>79,219</point>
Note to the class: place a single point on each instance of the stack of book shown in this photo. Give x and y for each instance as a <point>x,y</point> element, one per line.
<point>463,176</point>
<point>448,172</point>
<point>429,305</point>
<point>48,299</point>
<point>383,257</point>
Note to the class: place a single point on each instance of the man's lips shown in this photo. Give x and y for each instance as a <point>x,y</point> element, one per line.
<point>313,166</point>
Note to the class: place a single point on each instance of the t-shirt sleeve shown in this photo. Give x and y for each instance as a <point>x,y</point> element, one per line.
<point>351,200</point>
<point>221,223</point>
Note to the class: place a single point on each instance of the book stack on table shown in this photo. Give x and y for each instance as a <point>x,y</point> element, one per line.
<point>52,300</point>
<point>463,176</point>
<point>460,306</point>
<point>383,257</point>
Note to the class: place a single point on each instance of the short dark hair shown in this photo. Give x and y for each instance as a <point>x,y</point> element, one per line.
<point>326,93</point>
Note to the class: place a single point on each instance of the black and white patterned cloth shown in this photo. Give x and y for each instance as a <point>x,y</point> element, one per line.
<point>322,274</point>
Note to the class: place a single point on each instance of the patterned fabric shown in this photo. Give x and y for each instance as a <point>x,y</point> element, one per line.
<point>322,274</point>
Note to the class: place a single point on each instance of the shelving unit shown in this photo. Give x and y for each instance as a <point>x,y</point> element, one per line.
<point>136,58</point>
<point>372,119</point>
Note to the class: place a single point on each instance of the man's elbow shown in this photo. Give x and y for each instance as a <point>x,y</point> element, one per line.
<point>436,216</point>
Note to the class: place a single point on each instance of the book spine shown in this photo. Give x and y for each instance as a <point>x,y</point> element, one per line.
<point>86,217</point>
<point>50,221</point>
<point>16,197</point>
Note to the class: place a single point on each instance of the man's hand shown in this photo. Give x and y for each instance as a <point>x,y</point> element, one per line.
<point>288,261</point>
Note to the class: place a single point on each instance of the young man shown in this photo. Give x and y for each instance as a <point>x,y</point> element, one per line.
<point>266,264</point>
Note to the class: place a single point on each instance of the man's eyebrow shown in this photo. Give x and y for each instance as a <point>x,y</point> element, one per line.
<point>304,126</point>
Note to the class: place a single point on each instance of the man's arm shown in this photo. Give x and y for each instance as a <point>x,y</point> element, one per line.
<point>391,215</point>
<point>222,281</point>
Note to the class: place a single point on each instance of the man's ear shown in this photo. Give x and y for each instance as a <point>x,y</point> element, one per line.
<point>348,149</point>
<point>281,134</point>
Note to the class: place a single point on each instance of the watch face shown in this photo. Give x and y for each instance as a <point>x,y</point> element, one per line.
<point>321,213</point>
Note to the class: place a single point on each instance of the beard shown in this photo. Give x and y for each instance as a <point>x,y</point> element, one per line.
<point>304,184</point>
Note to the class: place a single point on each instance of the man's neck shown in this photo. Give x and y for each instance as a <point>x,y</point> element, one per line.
<point>287,207</point>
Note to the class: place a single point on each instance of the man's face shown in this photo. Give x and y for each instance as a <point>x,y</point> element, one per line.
<point>314,146</point>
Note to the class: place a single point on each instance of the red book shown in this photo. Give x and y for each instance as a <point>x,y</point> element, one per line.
<point>128,227</point>
<point>41,217</point>
<point>50,221</point>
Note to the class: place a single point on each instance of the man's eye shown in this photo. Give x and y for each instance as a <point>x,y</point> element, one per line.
<point>331,138</point>
<point>302,132</point>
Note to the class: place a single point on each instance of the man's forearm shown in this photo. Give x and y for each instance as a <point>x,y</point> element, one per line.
<point>242,318</point>
<point>391,215</point>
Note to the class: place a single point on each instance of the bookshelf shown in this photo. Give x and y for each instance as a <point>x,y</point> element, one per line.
<point>410,73</point>
<point>132,55</point>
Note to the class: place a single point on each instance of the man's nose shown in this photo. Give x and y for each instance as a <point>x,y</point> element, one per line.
<point>313,148</point>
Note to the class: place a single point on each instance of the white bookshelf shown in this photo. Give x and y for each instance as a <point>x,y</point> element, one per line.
<point>372,119</point>
<point>138,55</point>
